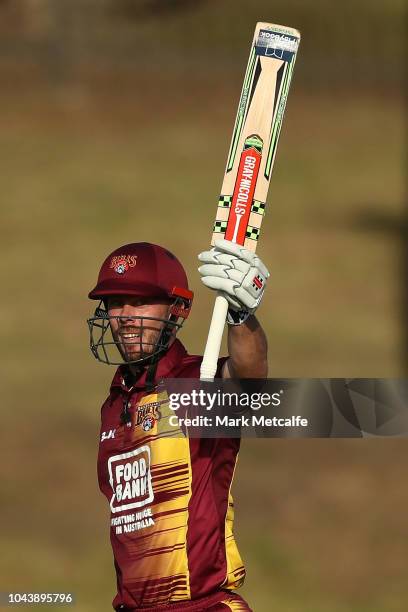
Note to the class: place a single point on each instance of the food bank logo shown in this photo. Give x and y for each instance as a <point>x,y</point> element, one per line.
<point>131,480</point>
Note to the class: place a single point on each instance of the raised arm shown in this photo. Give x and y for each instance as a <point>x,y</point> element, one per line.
<point>248,351</point>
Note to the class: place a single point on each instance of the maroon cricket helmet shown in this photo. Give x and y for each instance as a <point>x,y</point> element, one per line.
<point>142,269</point>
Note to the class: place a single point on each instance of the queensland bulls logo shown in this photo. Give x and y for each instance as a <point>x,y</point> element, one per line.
<point>122,263</point>
<point>147,415</point>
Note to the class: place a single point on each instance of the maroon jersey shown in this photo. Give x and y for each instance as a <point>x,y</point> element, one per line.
<point>171,507</point>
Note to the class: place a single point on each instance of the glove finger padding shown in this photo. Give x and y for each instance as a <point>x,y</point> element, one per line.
<point>216,258</point>
<point>208,270</point>
<point>213,256</point>
<point>240,252</point>
<point>211,269</point>
<point>220,284</point>
<point>225,287</point>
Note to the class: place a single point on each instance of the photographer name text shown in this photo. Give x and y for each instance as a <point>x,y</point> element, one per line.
<point>238,421</point>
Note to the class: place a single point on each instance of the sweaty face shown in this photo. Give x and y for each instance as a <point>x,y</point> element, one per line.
<point>136,336</point>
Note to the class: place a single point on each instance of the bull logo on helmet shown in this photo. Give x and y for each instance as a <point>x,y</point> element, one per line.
<point>121,263</point>
<point>121,267</point>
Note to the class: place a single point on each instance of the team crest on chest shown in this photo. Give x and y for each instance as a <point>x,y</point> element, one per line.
<point>122,263</point>
<point>147,415</point>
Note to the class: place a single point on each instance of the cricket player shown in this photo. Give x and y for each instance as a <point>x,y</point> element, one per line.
<point>172,513</point>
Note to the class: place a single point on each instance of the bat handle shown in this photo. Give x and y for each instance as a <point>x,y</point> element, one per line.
<point>214,339</point>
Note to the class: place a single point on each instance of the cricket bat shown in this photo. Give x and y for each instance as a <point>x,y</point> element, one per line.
<point>251,156</point>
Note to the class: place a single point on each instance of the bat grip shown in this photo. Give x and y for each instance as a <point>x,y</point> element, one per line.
<point>212,348</point>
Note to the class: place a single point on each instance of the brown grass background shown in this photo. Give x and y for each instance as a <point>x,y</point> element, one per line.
<point>116,118</point>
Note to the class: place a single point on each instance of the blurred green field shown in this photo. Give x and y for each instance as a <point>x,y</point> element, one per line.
<point>327,533</point>
<point>92,159</point>
<point>82,180</point>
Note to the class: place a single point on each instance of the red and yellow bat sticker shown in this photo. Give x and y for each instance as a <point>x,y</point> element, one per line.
<point>243,195</point>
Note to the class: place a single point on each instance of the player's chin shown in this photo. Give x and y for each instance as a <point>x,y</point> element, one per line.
<point>134,353</point>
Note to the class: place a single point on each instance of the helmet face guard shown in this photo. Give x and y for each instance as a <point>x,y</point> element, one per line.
<point>106,348</point>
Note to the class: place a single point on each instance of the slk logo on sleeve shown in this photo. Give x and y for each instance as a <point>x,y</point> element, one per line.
<point>108,435</point>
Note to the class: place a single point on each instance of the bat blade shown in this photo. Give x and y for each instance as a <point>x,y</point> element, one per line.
<point>256,132</point>
<point>251,156</point>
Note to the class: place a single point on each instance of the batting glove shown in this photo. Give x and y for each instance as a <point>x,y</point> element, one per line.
<point>238,274</point>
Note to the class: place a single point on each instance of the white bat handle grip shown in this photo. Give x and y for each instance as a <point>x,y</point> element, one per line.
<point>212,348</point>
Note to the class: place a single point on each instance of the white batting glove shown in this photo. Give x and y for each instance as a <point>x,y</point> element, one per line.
<point>238,274</point>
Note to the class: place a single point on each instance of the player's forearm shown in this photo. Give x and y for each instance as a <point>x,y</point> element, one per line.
<point>248,350</point>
